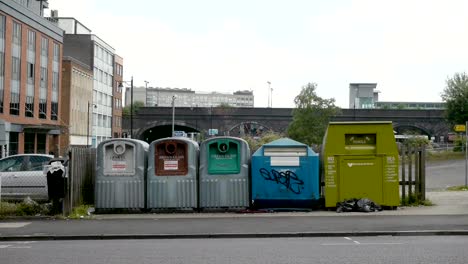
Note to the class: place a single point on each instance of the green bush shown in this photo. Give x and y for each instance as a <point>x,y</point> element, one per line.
<point>25,208</point>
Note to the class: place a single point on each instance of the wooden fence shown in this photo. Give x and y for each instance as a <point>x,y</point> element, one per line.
<point>81,173</point>
<point>413,173</point>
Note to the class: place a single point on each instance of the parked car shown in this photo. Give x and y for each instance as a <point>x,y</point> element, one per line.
<point>22,176</point>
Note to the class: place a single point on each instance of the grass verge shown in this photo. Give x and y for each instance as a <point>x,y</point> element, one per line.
<point>458,188</point>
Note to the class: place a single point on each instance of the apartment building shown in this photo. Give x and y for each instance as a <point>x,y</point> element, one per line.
<point>88,48</point>
<point>30,79</point>
<point>155,96</point>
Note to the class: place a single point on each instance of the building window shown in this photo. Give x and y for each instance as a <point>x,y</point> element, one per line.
<point>43,94</point>
<point>31,40</point>
<point>54,101</point>
<point>16,33</point>
<point>13,144</point>
<point>44,47</point>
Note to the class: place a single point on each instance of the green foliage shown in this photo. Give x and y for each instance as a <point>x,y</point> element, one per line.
<point>80,212</point>
<point>455,95</point>
<point>311,116</point>
<point>23,209</point>
<point>413,200</point>
<point>400,106</point>
<point>416,142</point>
<point>458,188</point>
<point>136,105</point>
<point>459,145</point>
<point>225,105</point>
<point>256,143</point>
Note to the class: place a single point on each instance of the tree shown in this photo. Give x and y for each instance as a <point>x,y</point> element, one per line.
<point>455,96</point>
<point>268,137</point>
<point>311,116</point>
<point>136,106</point>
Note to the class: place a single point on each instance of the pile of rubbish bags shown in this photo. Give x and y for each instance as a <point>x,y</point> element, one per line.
<point>358,205</point>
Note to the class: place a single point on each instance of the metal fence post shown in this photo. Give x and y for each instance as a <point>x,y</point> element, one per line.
<point>403,173</point>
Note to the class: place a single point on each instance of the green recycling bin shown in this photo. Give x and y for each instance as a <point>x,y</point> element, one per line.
<point>360,160</point>
<point>224,173</point>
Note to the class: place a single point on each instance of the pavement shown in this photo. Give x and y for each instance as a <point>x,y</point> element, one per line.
<point>448,216</point>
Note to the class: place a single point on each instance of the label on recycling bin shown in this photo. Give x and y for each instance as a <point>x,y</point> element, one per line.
<point>119,165</point>
<point>171,165</point>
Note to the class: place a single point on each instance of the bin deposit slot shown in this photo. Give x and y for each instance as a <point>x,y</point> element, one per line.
<point>360,142</point>
<point>285,152</point>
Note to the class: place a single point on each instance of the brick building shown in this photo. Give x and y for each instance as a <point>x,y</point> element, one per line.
<point>30,79</point>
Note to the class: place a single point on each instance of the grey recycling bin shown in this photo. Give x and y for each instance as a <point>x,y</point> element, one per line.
<point>172,174</point>
<point>224,173</point>
<point>120,174</point>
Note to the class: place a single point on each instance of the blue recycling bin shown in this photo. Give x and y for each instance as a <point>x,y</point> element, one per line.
<point>285,174</point>
<point>172,174</point>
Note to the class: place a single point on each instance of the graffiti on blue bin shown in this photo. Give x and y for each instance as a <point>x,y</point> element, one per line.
<point>287,178</point>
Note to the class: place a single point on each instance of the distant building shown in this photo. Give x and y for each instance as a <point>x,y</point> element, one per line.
<point>410,105</point>
<point>30,72</point>
<point>188,98</point>
<point>77,100</point>
<point>362,95</point>
<point>117,98</point>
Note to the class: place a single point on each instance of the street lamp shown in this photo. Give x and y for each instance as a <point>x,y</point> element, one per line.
<point>146,93</point>
<point>173,112</point>
<point>131,104</point>
<point>87,130</point>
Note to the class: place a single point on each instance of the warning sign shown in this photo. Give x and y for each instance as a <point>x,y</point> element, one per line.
<point>171,165</point>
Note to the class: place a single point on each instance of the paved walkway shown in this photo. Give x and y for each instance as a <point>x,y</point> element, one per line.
<point>445,203</point>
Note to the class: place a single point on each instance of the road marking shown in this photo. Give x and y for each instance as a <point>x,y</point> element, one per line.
<point>360,244</point>
<point>17,245</point>
<point>14,225</point>
<point>356,242</point>
<point>347,238</point>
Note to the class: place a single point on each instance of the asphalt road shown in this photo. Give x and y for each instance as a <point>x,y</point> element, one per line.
<point>234,225</point>
<point>443,174</point>
<point>362,250</point>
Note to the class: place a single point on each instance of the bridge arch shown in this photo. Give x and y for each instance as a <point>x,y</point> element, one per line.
<point>162,129</point>
<point>402,129</point>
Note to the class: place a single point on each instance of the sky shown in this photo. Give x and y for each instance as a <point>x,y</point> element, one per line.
<point>408,47</point>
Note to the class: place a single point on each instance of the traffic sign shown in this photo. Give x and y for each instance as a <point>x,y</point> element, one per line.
<point>459,128</point>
